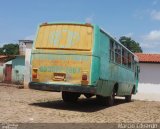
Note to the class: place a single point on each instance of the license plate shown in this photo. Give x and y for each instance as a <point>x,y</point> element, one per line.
<point>59,76</point>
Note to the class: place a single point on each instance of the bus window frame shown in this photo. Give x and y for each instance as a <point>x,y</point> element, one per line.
<point>123,56</point>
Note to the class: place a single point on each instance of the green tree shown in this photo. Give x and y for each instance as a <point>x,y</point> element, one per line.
<point>1,51</point>
<point>10,49</point>
<point>132,45</point>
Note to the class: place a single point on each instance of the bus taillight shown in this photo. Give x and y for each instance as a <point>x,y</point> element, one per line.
<point>35,73</point>
<point>84,77</point>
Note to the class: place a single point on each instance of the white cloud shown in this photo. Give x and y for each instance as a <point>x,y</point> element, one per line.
<point>153,36</point>
<point>155,15</point>
<point>151,42</point>
<point>30,37</point>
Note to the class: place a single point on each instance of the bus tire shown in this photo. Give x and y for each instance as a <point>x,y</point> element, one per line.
<point>102,100</point>
<point>110,100</point>
<point>106,101</point>
<point>70,97</point>
<point>128,98</point>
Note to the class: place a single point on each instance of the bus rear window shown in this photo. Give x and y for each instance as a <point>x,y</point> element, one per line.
<point>74,37</point>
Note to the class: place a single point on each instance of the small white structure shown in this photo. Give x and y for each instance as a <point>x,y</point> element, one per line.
<point>23,45</point>
<point>27,68</point>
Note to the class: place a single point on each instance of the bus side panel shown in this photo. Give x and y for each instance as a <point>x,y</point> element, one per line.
<point>125,81</point>
<point>95,65</point>
<point>112,73</point>
<point>95,70</point>
<point>123,77</point>
<point>104,85</point>
<point>104,56</point>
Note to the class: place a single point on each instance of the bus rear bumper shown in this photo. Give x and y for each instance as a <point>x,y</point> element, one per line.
<point>61,87</point>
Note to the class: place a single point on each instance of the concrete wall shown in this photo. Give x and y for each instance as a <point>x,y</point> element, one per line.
<point>149,73</point>
<point>27,68</point>
<point>148,92</point>
<point>29,45</point>
<point>18,66</point>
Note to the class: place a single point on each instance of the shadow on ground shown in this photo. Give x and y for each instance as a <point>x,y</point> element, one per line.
<point>83,105</point>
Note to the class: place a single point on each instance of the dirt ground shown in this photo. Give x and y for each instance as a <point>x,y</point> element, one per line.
<point>30,106</point>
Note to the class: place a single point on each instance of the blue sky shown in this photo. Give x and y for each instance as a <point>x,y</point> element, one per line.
<point>138,19</point>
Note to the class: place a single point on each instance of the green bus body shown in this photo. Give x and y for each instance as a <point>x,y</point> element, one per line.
<point>113,67</point>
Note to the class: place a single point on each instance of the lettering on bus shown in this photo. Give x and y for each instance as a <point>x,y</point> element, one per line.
<point>72,63</point>
<point>70,39</point>
<point>69,70</point>
<point>60,57</point>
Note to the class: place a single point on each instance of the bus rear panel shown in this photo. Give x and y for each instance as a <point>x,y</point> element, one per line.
<point>62,56</point>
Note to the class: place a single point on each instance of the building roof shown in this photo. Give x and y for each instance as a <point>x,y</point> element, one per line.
<point>148,58</point>
<point>26,41</point>
<point>5,58</point>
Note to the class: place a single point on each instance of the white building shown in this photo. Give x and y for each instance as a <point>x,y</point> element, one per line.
<point>149,80</point>
<point>149,68</point>
<point>149,77</point>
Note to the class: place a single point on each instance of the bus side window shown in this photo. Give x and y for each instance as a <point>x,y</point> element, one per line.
<point>129,60</point>
<point>118,53</point>
<point>133,63</point>
<point>137,72</point>
<point>124,57</point>
<point>111,50</point>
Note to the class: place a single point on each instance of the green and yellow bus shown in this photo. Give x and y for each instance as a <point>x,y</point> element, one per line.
<point>78,59</point>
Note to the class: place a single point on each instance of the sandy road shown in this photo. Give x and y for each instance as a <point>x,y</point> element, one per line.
<point>30,106</point>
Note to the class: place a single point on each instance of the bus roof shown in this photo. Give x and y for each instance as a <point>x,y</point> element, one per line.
<point>66,23</point>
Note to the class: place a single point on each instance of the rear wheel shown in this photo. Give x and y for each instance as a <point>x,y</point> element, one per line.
<point>110,100</point>
<point>69,96</point>
<point>128,98</point>
<point>106,101</point>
